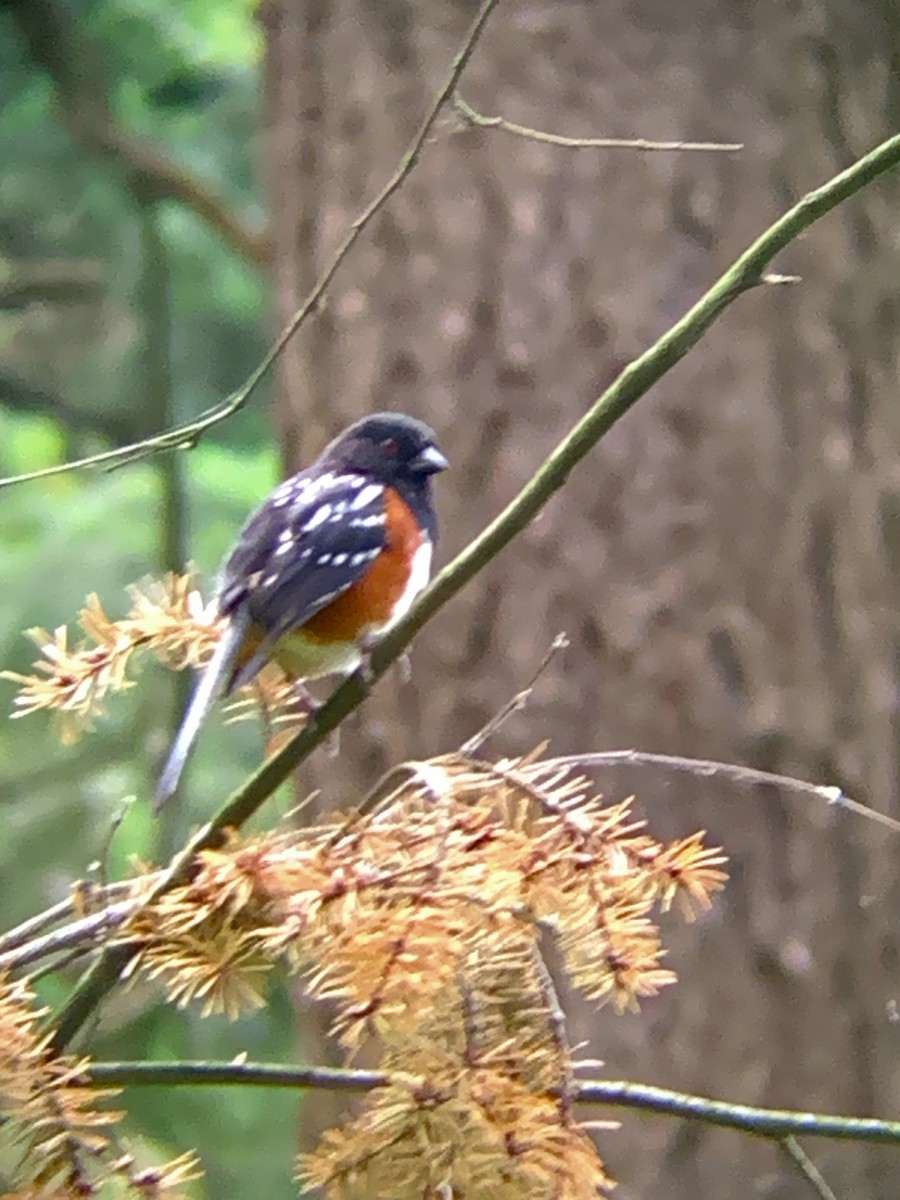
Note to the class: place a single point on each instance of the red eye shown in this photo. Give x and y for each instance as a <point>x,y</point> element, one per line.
<point>389,446</point>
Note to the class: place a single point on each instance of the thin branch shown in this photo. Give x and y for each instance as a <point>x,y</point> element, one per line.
<point>634,381</point>
<point>99,868</point>
<point>707,769</point>
<point>75,65</point>
<point>557,1021</point>
<point>763,1122</point>
<point>83,934</point>
<point>807,1168</point>
<point>187,435</point>
<point>35,925</point>
<point>219,1074</point>
<point>62,962</point>
<point>83,895</point>
<point>164,179</point>
<point>51,281</point>
<point>517,702</point>
<point>478,119</point>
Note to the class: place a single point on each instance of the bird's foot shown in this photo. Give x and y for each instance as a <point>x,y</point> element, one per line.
<point>303,702</point>
<point>364,672</point>
<point>404,666</point>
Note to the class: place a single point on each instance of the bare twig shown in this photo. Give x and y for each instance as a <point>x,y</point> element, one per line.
<point>557,1021</point>
<point>187,435</point>
<point>631,384</point>
<point>707,769</point>
<point>517,702</point>
<point>100,866</point>
<point>84,895</point>
<point>78,935</point>
<point>53,281</point>
<point>473,117</point>
<point>763,1122</point>
<point>807,1168</point>
<point>35,925</point>
<point>61,963</point>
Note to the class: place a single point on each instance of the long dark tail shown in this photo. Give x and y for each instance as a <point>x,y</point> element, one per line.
<point>205,694</point>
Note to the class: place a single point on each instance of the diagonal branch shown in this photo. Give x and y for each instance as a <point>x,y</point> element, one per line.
<point>634,381</point>
<point>747,272</point>
<point>80,935</point>
<point>75,66</point>
<point>798,1158</point>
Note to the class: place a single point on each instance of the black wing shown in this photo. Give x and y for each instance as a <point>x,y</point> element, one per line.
<point>311,540</point>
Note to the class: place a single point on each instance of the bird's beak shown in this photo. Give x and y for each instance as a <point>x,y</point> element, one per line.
<point>429,461</point>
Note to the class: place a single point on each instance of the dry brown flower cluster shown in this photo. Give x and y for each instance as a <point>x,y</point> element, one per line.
<point>423,918</point>
<point>167,618</point>
<point>55,1142</point>
<point>423,921</point>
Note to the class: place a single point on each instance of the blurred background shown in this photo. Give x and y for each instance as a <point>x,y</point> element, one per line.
<point>175,175</point>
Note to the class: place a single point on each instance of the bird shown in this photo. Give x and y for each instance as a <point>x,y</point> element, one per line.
<point>330,561</point>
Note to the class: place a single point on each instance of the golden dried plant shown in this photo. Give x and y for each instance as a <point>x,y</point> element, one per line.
<point>168,619</point>
<point>56,1137</point>
<point>422,921</point>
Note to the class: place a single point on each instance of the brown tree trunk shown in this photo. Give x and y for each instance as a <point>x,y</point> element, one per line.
<point>725,564</point>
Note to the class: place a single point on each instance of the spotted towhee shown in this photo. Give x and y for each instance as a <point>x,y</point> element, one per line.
<point>327,565</point>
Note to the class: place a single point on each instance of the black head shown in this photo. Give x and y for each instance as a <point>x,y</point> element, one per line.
<point>391,447</point>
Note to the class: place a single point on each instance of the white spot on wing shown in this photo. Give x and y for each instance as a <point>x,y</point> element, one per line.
<point>340,559</point>
<point>368,495</point>
<point>319,517</point>
<point>290,491</point>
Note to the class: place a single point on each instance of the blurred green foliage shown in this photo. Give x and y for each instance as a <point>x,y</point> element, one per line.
<point>184,74</point>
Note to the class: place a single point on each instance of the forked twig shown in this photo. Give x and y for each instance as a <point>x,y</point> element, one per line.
<point>472,117</point>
